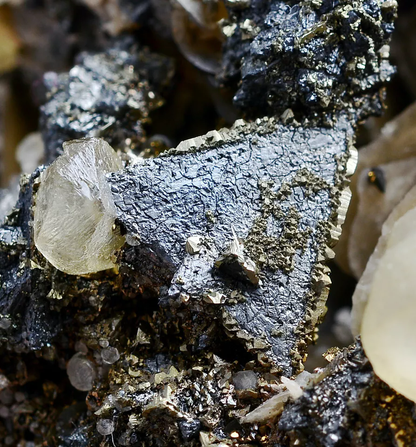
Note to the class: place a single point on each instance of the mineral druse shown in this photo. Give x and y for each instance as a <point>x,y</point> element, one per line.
<point>311,56</point>
<point>281,191</point>
<point>341,409</point>
<point>74,212</point>
<point>221,278</point>
<point>105,95</point>
<point>27,321</point>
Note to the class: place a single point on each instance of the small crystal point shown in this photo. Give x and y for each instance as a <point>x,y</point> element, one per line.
<point>74,212</point>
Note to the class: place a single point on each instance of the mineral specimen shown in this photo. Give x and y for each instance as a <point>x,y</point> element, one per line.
<point>383,301</point>
<point>391,155</point>
<point>81,372</point>
<point>221,275</point>
<point>30,152</point>
<point>363,288</point>
<point>375,203</point>
<point>347,405</point>
<point>74,213</point>
<point>197,33</point>
<point>28,321</point>
<point>281,190</point>
<point>312,57</point>
<point>105,95</point>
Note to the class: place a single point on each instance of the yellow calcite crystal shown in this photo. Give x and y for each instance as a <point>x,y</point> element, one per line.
<point>384,301</point>
<point>74,212</point>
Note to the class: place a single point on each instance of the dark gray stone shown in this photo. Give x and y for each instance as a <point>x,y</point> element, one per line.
<point>105,95</point>
<point>350,405</point>
<point>315,57</point>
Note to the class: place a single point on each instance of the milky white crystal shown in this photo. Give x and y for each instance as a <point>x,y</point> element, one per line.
<point>74,212</point>
<point>384,302</point>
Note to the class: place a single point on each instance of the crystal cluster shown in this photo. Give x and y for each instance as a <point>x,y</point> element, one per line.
<point>285,202</point>
<point>105,95</point>
<point>169,297</point>
<point>313,56</point>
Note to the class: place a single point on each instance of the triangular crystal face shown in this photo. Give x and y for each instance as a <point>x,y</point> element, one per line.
<point>245,217</point>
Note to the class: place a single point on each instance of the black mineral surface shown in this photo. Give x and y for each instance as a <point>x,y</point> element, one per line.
<point>341,409</point>
<point>310,56</point>
<point>106,95</point>
<point>198,335</point>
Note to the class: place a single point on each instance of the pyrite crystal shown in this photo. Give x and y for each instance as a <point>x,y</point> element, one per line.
<point>74,212</point>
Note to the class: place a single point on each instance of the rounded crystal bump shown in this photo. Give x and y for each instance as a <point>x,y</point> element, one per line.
<point>74,213</point>
<point>105,427</point>
<point>388,329</point>
<point>81,372</point>
<point>110,355</point>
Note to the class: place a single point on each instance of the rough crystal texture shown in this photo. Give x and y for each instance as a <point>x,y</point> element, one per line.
<point>347,405</point>
<point>74,214</point>
<point>27,320</point>
<point>314,56</point>
<point>105,95</point>
<point>279,190</point>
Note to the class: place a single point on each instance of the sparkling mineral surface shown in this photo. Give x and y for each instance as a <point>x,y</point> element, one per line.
<point>315,55</point>
<point>347,404</point>
<point>74,213</point>
<point>281,190</point>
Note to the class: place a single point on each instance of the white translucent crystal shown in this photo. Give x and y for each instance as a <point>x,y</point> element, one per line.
<point>81,372</point>
<point>274,406</point>
<point>362,291</point>
<point>74,213</point>
<point>29,152</point>
<point>387,302</point>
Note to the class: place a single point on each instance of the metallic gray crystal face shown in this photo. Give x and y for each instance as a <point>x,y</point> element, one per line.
<point>277,188</point>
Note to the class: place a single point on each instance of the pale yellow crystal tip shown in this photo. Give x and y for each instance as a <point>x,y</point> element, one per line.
<point>388,329</point>
<point>74,211</point>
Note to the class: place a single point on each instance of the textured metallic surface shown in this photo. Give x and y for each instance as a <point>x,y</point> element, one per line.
<point>313,56</point>
<point>105,95</point>
<point>349,406</point>
<point>279,189</point>
<point>23,289</point>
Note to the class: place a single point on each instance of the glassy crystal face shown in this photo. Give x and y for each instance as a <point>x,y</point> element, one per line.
<point>74,212</point>
<point>388,329</point>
